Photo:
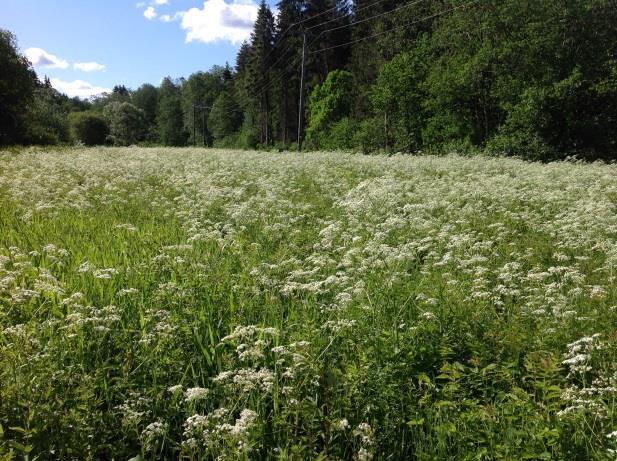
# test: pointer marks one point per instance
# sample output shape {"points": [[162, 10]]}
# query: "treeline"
{"points": [[514, 77]]}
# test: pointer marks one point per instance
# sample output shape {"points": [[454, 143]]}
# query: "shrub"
{"points": [[369, 135], [89, 128]]}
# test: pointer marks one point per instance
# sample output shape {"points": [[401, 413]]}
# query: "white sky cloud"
{"points": [[78, 88], [160, 2], [219, 21], [170, 18], [89, 66], [150, 13], [41, 58]]}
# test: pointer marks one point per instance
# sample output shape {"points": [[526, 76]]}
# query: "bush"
{"points": [[338, 135], [229, 142], [89, 128], [369, 135]]}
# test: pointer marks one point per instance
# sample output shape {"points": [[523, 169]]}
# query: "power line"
{"points": [[407, 5], [334, 8], [273, 80], [349, 13], [263, 78], [279, 39], [396, 28], [365, 19], [298, 23], [262, 91]]}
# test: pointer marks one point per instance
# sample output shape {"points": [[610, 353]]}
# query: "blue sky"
{"points": [[88, 46]]}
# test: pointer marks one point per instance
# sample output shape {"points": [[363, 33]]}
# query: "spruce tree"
{"points": [[288, 52], [259, 69]]}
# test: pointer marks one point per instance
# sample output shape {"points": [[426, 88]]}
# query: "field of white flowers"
{"points": [[218, 305]]}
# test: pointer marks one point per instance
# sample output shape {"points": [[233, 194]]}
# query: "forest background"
{"points": [[536, 80]]}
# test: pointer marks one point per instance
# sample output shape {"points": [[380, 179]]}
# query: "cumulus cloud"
{"points": [[170, 18], [78, 88], [89, 66], [41, 58], [160, 2], [219, 21], [150, 13]]}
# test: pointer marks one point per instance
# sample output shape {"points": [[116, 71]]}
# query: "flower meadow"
{"points": [[191, 304]]}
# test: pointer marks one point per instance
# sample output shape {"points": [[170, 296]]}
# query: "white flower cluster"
{"points": [[366, 435], [215, 432], [247, 379], [193, 394], [153, 434], [254, 342], [579, 353]]}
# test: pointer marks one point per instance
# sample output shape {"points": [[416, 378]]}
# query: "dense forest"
{"points": [[507, 77]]}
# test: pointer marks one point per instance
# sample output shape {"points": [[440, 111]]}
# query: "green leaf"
{"points": [[415, 422]]}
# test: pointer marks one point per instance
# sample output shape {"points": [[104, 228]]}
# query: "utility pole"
{"points": [[301, 111]]}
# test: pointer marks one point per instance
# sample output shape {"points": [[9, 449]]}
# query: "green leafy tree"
{"points": [[120, 93], [243, 92], [202, 89], [146, 97], [47, 121], [17, 86], [127, 123], [89, 127], [328, 104], [526, 78], [170, 117], [285, 56], [399, 96]]}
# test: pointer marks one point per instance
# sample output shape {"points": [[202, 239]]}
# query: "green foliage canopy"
{"points": [[17, 85], [328, 104], [127, 124], [89, 127]]}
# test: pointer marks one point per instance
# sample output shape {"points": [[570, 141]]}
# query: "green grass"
{"points": [[203, 304]]}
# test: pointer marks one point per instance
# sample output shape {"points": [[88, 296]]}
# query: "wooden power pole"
{"points": [[301, 109]]}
